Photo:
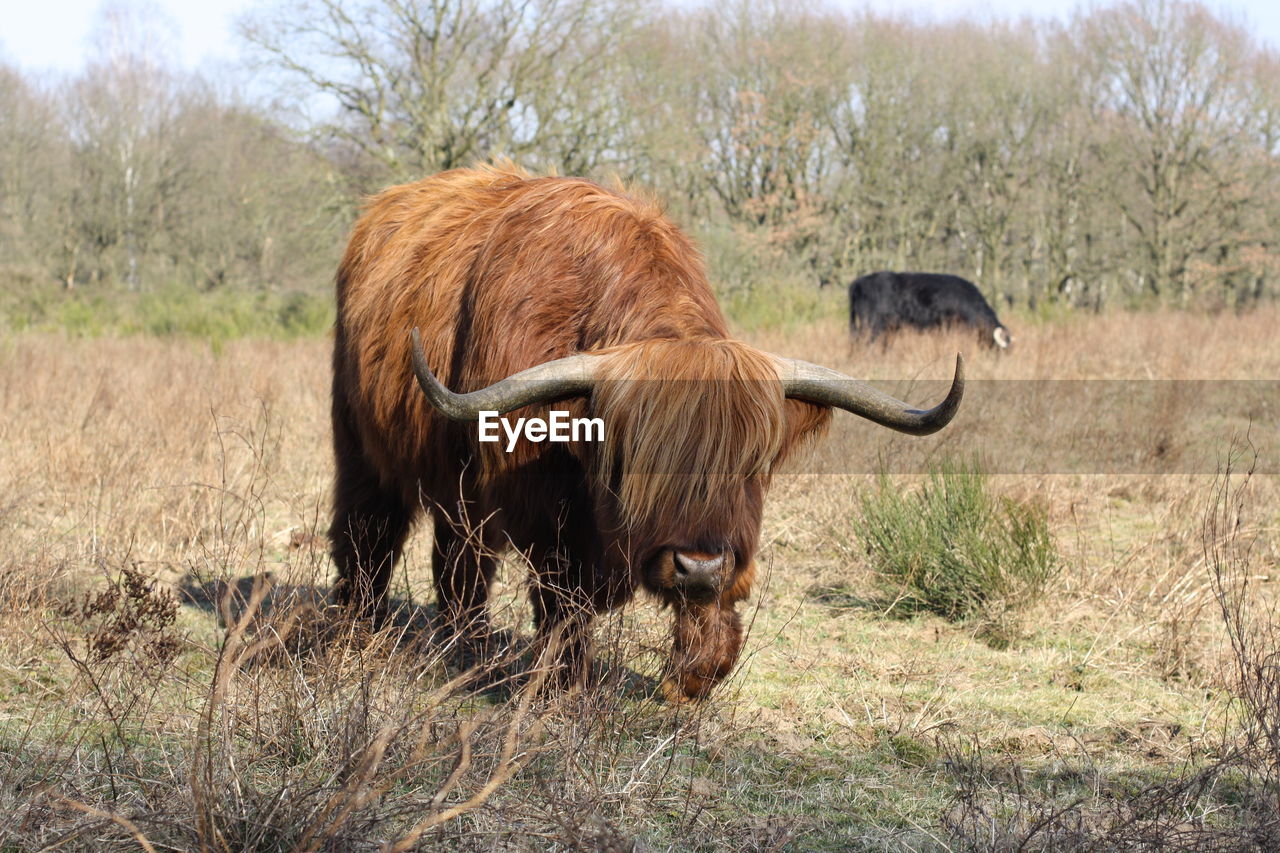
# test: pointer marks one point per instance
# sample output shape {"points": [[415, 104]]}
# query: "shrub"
{"points": [[956, 550], [170, 310]]}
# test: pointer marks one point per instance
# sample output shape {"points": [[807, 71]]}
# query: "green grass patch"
{"points": [[957, 550]]}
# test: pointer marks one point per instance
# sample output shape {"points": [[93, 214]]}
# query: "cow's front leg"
{"points": [[563, 646], [462, 567]]}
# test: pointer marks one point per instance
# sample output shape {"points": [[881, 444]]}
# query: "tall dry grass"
{"points": [[169, 678], [1117, 345], [175, 681]]}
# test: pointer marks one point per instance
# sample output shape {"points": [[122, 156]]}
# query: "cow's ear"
{"points": [[804, 422]]}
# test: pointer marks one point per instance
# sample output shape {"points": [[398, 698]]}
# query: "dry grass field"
{"points": [[169, 680]]}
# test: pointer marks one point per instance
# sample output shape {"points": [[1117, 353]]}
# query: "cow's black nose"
{"points": [[699, 575]]}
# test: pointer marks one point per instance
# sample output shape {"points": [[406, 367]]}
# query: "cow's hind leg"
{"points": [[369, 527]]}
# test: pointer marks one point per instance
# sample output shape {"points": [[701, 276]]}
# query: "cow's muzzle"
{"points": [[700, 576]]}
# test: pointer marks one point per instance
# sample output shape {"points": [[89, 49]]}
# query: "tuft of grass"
{"points": [[957, 550]]}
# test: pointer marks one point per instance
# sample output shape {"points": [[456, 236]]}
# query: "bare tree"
{"points": [[1168, 87], [34, 180], [767, 81], [121, 112], [996, 113], [899, 194], [423, 85], [257, 206]]}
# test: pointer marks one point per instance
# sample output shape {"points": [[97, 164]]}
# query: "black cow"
{"points": [[882, 302]]}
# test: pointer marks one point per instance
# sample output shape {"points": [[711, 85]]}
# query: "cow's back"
{"points": [[950, 298], [884, 301], [500, 272]]}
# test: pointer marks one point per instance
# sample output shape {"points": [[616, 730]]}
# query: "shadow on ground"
{"points": [[501, 667]]}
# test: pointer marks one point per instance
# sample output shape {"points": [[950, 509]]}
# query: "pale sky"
{"points": [[53, 35]]}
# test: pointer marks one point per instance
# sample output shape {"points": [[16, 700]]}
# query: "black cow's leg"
{"points": [[880, 330]]}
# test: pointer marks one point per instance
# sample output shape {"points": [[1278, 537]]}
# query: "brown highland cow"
{"points": [[599, 305]]}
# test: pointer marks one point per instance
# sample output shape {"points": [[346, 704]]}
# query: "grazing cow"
{"points": [[541, 293], [886, 301]]}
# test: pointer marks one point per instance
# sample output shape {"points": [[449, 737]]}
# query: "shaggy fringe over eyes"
{"points": [[686, 421]]}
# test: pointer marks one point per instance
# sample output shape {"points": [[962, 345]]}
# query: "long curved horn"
{"points": [[564, 377], [816, 384], [576, 374]]}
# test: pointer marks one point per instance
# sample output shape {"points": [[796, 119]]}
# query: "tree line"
{"points": [[1126, 156]]}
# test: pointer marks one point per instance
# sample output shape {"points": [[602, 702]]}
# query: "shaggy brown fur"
{"points": [[502, 271]]}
